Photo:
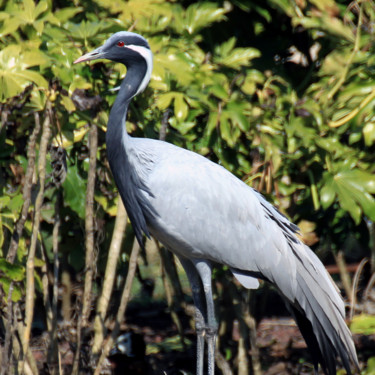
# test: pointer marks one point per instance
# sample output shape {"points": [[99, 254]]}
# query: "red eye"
{"points": [[121, 44]]}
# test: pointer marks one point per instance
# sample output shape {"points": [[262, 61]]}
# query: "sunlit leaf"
{"points": [[65, 14], [369, 133], [180, 107], [238, 57], [164, 100], [197, 16], [68, 103], [14, 72]]}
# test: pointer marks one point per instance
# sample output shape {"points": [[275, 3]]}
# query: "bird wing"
{"points": [[206, 212]]}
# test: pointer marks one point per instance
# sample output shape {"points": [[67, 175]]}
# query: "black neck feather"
{"points": [[119, 151]]}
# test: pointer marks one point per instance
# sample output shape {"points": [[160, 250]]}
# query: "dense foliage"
{"points": [[280, 92]]}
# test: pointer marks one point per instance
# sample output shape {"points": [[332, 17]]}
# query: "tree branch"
{"points": [[109, 277], [123, 304], [30, 282], [90, 243]]}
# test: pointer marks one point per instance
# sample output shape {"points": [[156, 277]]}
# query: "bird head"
{"points": [[124, 47], [127, 48]]}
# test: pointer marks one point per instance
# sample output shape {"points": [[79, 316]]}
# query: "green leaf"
{"points": [[369, 134], [198, 16], [330, 25], [353, 188], [68, 103], [38, 100], [370, 368], [14, 72], [220, 91], [9, 26], [16, 292], [66, 14], [361, 180], [327, 193], [75, 191], [16, 203], [232, 57], [13, 271], [348, 203], [363, 324], [79, 83], [164, 100], [180, 107]]}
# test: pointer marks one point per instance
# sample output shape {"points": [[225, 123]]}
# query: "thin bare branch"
{"points": [[30, 282], [109, 277], [52, 357], [344, 274], [173, 290], [6, 354], [255, 352], [90, 243], [123, 304], [357, 275], [222, 363], [90, 223]]}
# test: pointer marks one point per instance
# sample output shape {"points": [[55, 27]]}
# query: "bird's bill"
{"points": [[93, 55]]}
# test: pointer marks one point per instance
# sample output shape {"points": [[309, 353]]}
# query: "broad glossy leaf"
{"points": [[180, 69], [164, 100], [180, 107], [38, 100], [347, 202], [198, 16], [14, 72], [360, 180], [238, 57]]}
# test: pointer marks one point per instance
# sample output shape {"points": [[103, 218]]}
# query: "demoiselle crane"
{"points": [[205, 215]]}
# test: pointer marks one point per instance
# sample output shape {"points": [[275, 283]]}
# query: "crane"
{"points": [[205, 216]]}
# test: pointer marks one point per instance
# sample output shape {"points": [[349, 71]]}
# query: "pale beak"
{"points": [[93, 55]]}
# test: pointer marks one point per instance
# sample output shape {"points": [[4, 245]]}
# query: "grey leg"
{"points": [[204, 269], [200, 309]]}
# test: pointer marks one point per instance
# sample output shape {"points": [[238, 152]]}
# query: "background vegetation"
{"points": [[280, 92]]}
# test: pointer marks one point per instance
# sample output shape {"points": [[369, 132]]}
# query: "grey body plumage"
{"points": [[205, 215]]}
